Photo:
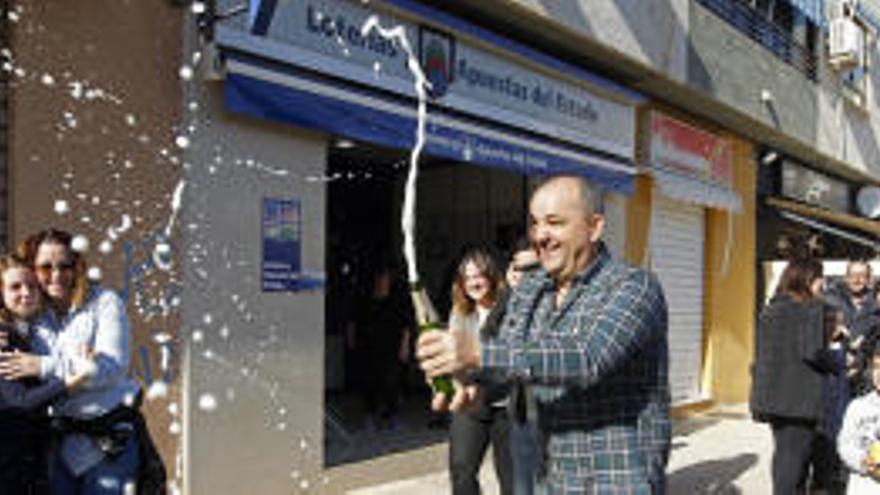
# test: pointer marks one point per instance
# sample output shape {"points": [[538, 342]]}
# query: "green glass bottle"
{"points": [[427, 319]]}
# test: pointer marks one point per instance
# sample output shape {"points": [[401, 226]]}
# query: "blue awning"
{"points": [[285, 94]]}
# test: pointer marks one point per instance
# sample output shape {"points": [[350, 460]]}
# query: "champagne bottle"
{"points": [[427, 319]]}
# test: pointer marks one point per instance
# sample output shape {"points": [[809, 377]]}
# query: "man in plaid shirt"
{"points": [[588, 336]]}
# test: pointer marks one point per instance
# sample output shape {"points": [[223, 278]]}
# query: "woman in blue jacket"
{"points": [[23, 426]]}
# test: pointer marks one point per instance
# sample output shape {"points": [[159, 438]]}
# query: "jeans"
{"points": [[524, 448], [109, 477], [469, 437]]}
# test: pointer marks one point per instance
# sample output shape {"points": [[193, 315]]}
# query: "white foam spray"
{"points": [[408, 216]]}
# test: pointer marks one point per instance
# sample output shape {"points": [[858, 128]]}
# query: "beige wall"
{"points": [[730, 294]]}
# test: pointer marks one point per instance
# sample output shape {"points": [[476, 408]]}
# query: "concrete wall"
{"points": [[255, 368], [678, 52], [653, 34]]}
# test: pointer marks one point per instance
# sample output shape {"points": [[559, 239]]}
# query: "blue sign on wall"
{"points": [[282, 246]]}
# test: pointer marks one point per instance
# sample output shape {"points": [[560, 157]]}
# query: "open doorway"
{"points": [[459, 205]]}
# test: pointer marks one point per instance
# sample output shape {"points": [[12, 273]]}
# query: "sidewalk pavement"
{"points": [[720, 452]]}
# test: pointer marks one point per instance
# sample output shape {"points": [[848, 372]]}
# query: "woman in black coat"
{"points": [[791, 362]]}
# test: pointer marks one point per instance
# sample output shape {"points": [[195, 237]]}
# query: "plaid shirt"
{"points": [[597, 367]]}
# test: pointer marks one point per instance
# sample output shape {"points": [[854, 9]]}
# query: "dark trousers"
{"points": [[829, 472], [469, 437], [526, 456], [793, 441], [381, 388]]}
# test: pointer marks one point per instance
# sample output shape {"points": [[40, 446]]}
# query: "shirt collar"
{"points": [[601, 256]]}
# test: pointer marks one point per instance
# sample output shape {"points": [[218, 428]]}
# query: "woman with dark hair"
{"points": [[477, 286], [98, 452], [790, 366], [23, 423]]}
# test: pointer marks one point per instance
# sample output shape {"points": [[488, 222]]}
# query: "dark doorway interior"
{"points": [[459, 205], [363, 198]]}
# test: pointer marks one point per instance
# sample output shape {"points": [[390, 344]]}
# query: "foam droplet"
{"points": [[182, 142], [80, 243], [174, 428], [207, 403], [61, 207], [186, 73], [94, 274], [157, 390], [162, 256]]}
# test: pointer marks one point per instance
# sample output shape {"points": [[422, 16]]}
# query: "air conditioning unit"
{"points": [[845, 43]]}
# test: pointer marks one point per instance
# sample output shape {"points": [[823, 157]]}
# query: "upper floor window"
{"points": [[780, 26]]}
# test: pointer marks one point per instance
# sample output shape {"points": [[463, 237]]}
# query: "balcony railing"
{"points": [[787, 34]]}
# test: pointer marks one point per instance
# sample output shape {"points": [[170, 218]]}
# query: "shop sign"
{"points": [[467, 75], [809, 186], [688, 151], [282, 243]]}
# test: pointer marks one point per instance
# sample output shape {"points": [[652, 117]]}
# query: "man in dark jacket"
{"points": [[855, 297]]}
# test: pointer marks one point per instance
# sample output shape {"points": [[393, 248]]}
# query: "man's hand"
{"points": [[447, 353], [16, 365], [465, 398]]}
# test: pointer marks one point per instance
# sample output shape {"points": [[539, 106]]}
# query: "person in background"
{"points": [[101, 429], [788, 372], [860, 356], [859, 440], [855, 297], [380, 335], [478, 284], [829, 473], [523, 430], [24, 428]]}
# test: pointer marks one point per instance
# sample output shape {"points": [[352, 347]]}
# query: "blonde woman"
{"points": [[477, 286]]}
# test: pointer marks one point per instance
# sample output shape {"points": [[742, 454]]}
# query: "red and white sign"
{"points": [[690, 151]]}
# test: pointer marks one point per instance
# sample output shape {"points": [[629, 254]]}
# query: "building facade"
{"points": [[269, 142]]}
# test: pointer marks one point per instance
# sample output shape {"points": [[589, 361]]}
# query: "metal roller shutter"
{"points": [[677, 256]]}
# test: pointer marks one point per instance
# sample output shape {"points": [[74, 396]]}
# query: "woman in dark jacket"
{"points": [[23, 427], [790, 365]]}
